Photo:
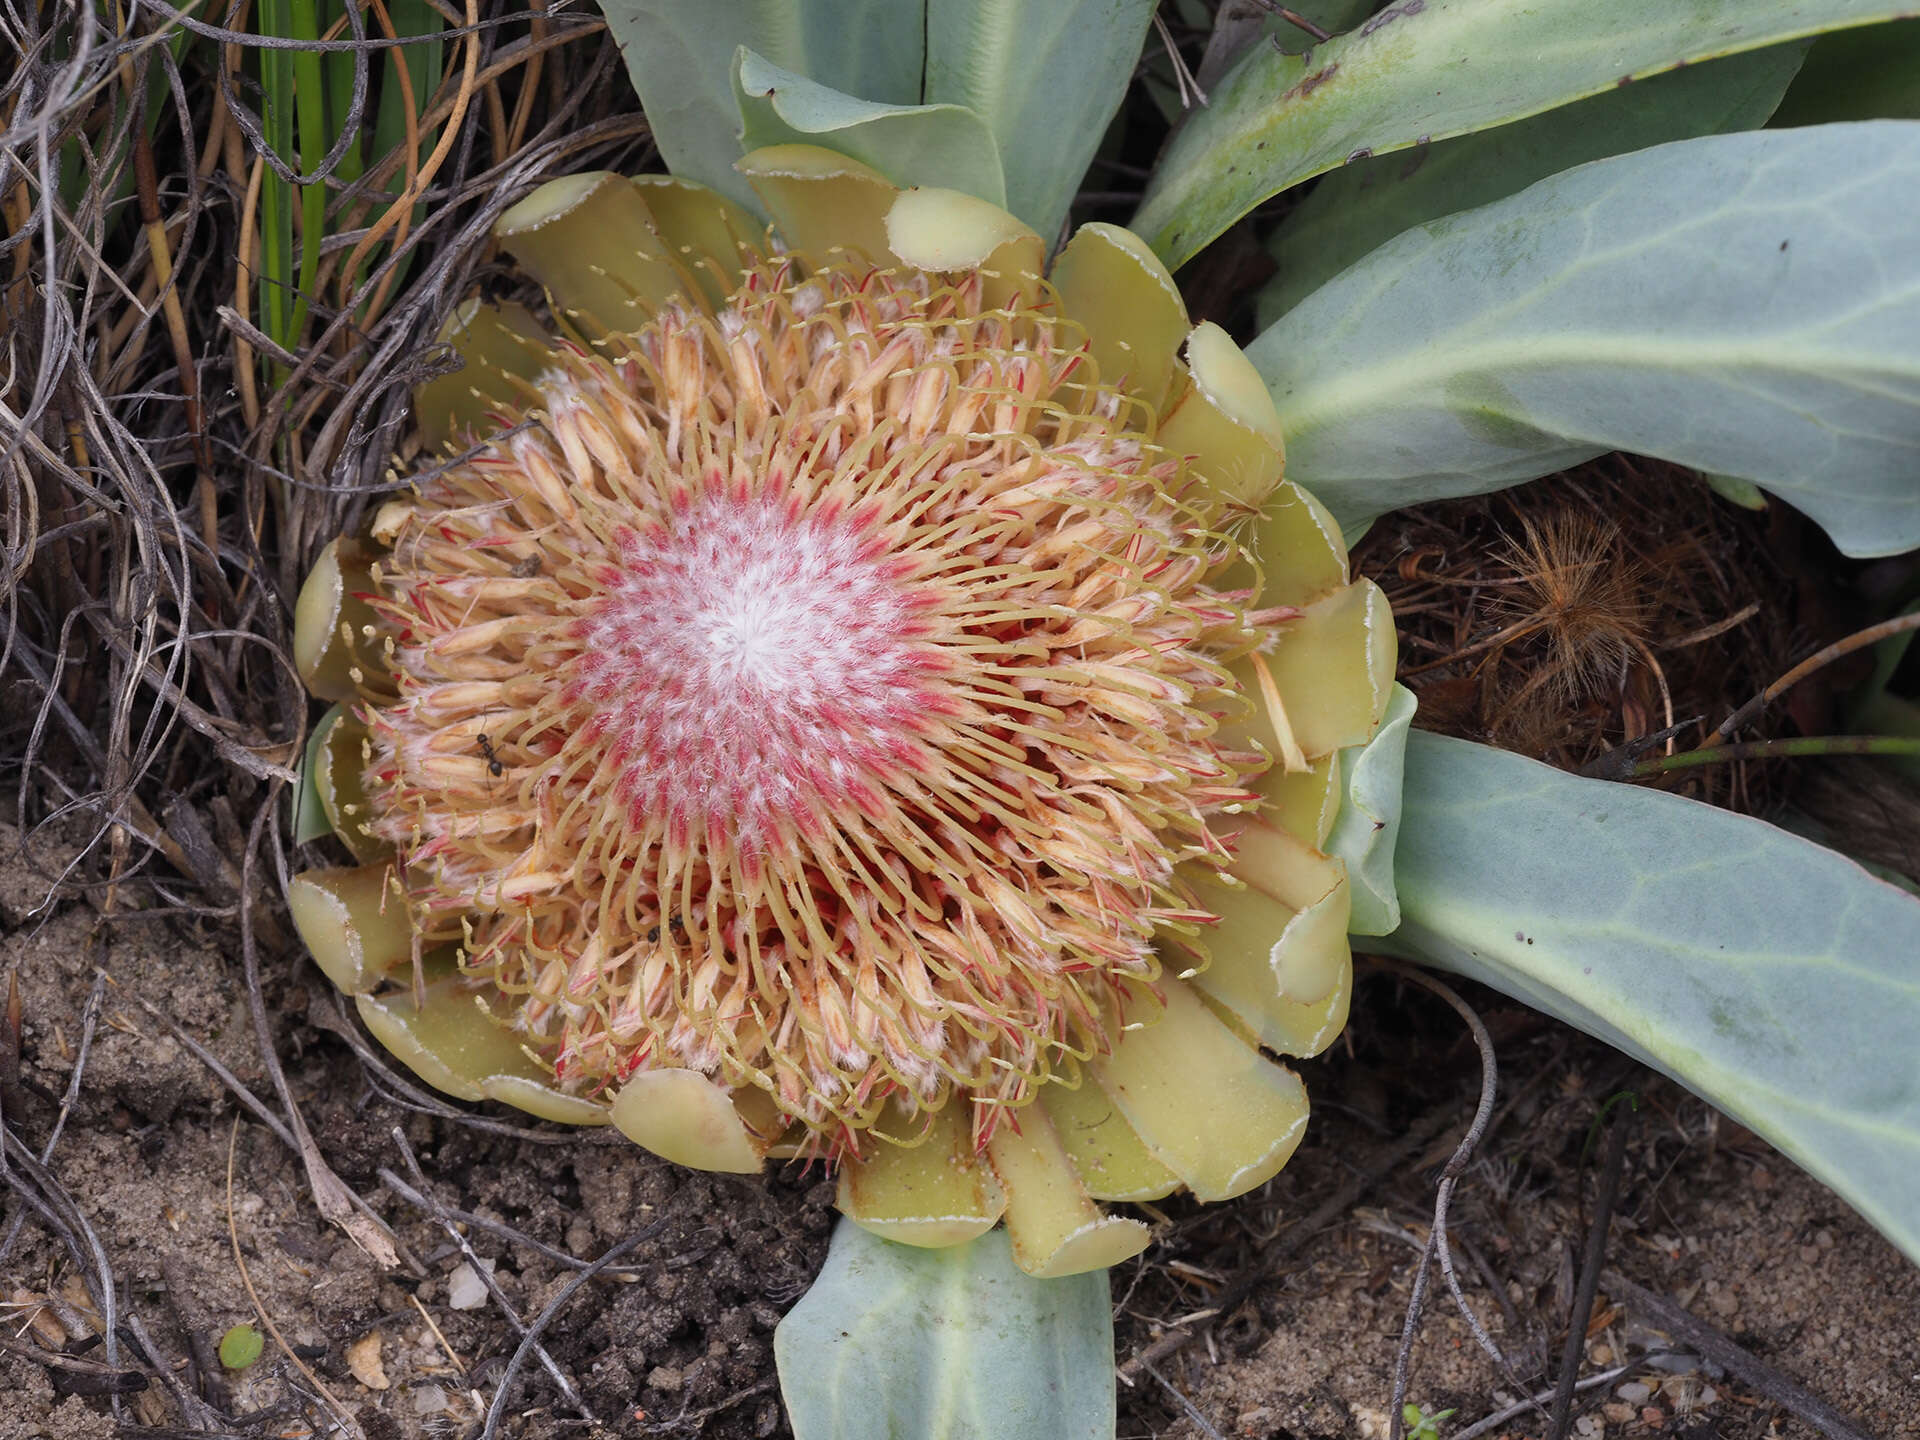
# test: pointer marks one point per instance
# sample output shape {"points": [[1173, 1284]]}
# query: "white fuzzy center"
{"points": [[755, 667]]}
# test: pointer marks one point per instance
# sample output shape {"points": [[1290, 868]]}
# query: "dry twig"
{"points": [[1443, 1195], [1738, 1361], [485, 1274], [1610, 1173]]}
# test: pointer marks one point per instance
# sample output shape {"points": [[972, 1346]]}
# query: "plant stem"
{"points": [[1768, 749], [1873, 634]]}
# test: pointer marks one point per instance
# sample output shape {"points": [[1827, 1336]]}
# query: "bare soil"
{"points": [[681, 1343]]}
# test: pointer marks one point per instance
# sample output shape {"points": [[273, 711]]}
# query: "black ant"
{"points": [[495, 766], [676, 924]]}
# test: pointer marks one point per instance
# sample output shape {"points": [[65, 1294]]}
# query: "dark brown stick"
{"points": [[1859, 640], [1741, 1363], [1596, 1255]]}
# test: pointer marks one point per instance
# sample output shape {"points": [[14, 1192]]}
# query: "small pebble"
{"points": [[1634, 1393], [365, 1364], [465, 1289], [1617, 1413], [1601, 1354], [664, 1377], [1653, 1417]]}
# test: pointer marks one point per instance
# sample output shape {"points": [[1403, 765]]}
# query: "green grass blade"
{"points": [[309, 88], [277, 102], [425, 65], [339, 68]]}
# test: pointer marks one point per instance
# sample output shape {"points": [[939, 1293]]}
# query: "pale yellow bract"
{"points": [[855, 697]]}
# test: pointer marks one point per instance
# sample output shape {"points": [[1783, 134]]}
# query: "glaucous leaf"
{"points": [[1820, 833], [308, 819], [1743, 304], [1046, 76], [1772, 977], [943, 145], [1368, 826], [1365, 204], [680, 58], [1425, 70], [897, 1340]]}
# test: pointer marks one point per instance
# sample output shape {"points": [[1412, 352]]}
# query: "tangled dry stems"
{"points": [[166, 469], [158, 499]]}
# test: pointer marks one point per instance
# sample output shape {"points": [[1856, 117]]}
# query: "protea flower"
{"points": [[854, 698]]}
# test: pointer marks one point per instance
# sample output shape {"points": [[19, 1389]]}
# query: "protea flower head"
{"points": [[850, 697]]}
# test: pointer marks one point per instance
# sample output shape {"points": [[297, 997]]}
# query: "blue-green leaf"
{"points": [[309, 817], [1773, 977], [1368, 825], [1363, 205], [954, 1344], [945, 145], [680, 57], [1046, 76], [1743, 304], [1424, 70]]}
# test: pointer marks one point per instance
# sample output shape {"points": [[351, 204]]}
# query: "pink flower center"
{"points": [[757, 666]]}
